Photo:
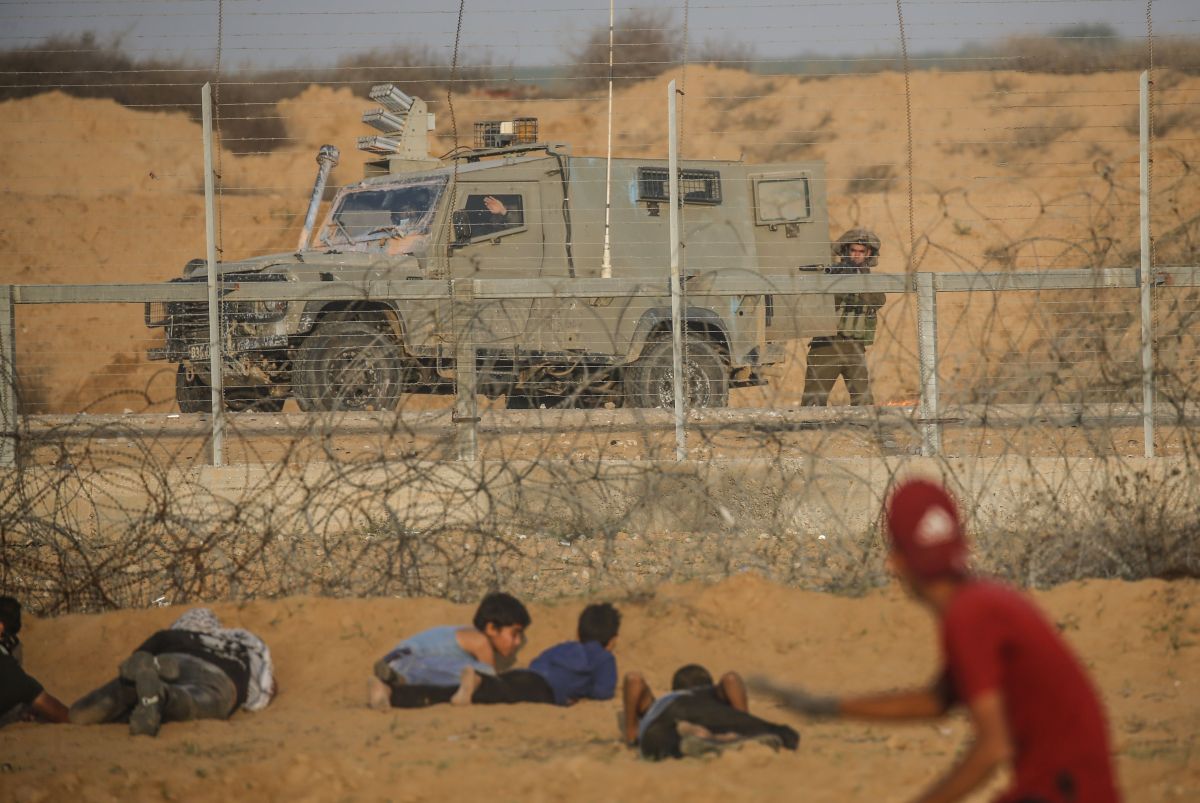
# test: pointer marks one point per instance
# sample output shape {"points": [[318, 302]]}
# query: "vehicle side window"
{"points": [[782, 199], [490, 215]]}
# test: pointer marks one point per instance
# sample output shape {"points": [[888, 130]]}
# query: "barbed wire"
{"points": [[108, 502]]}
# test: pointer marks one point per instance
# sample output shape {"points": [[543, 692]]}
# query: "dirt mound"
{"points": [[1010, 171], [317, 741]]}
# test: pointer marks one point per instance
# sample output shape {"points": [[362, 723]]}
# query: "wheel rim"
{"points": [[695, 387], [358, 377]]}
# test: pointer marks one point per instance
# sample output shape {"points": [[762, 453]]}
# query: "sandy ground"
{"points": [[317, 741], [1010, 171], [96, 441]]}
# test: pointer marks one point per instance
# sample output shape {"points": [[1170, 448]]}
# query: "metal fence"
{"points": [[1039, 338], [1108, 392]]}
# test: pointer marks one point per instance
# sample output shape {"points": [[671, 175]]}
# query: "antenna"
{"points": [[606, 264]]}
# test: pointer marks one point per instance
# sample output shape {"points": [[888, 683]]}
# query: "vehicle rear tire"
{"points": [[649, 381], [349, 365], [195, 396]]}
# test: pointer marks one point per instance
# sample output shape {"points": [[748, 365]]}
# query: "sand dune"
{"points": [[1009, 171]]}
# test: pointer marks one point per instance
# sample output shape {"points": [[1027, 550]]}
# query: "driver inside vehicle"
{"points": [[409, 229]]}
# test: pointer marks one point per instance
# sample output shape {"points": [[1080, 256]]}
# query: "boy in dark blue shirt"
{"points": [[561, 675], [583, 669]]}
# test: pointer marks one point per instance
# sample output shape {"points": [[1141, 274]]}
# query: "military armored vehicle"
{"points": [[515, 207]]}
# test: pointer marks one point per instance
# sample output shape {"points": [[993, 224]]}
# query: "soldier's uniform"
{"points": [[845, 353]]}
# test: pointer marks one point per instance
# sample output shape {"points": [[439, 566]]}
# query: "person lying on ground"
{"points": [[1031, 704], [22, 698], [561, 675], [196, 669], [437, 657], [696, 717]]}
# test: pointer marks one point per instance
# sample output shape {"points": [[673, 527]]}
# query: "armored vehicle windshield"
{"points": [[393, 218]]}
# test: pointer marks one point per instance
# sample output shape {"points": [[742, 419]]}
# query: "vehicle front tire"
{"points": [[649, 380], [192, 395], [349, 365]]}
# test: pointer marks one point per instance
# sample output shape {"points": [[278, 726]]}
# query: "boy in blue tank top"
{"points": [[438, 656], [561, 675]]}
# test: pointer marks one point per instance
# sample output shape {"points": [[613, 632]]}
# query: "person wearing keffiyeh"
{"points": [[196, 669]]}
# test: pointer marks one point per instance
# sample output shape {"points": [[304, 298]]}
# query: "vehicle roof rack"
{"points": [[475, 154]]}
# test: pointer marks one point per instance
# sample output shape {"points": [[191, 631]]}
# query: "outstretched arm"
{"points": [[912, 704], [990, 749], [48, 708], [908, 704]]}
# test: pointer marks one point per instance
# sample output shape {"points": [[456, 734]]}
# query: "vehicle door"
{"points": [[497, 234]]}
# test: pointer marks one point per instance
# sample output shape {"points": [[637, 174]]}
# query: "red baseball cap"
{"points": [[925, 530]]}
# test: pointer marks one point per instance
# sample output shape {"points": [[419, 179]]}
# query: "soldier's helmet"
{"points": [[866, 237]]}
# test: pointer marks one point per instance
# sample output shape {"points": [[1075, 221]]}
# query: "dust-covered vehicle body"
{"points": [[520, 211]]}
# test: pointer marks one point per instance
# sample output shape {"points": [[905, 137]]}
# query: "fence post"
{"points": [[8, 378], [1147, 275], [466, 411], [676, 288], [214, 307], [931, 430]]}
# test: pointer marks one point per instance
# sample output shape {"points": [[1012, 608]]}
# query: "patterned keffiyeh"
{"points": [[232, 642]]}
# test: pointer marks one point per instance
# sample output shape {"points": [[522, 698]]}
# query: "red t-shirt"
{"points": [[995, 639]]}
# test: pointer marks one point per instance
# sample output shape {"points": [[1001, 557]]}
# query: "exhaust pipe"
{"points": [[327, 159]]}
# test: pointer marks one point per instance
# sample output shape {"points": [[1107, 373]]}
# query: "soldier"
{"points": [[845, 353]]}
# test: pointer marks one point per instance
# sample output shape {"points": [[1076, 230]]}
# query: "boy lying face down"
{"points": [[696, 717], [195, 669]]}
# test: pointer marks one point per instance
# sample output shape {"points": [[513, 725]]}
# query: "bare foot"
{"points": [[379, 695], [467, 684]]}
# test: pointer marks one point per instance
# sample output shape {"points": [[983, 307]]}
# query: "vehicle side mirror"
{"points": [[461, 220]]}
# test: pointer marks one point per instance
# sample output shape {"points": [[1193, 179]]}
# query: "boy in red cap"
{"points": [[1030, 701]]}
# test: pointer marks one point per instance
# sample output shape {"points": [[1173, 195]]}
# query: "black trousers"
{"points": [[703, 707], [515, 686]]}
